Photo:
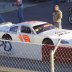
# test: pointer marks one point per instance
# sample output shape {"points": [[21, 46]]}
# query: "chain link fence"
{"points": [[62, 60], [25, 57]]}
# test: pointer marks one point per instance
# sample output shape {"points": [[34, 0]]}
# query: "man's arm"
{"points": [[60, 15]]}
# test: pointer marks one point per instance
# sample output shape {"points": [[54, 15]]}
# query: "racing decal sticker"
{"points": [[6, 48], [6, 45], [25, 38], [61, 33], [20, 37]]}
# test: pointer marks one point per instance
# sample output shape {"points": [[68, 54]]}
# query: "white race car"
{"points": [[35, 32]]}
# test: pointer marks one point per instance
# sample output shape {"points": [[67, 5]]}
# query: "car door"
{"points": [[26, 34]]}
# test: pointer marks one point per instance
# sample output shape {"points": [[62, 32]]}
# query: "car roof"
{"points": [[31, 23]]}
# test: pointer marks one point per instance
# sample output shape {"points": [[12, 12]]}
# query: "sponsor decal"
{"points": [[25, 38], [6, 45], [61, 33], [5, 48]]}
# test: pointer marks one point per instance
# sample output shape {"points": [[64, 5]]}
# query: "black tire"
{"points": [[6, 37], [47, 41], [8, 46], [70, 19]]}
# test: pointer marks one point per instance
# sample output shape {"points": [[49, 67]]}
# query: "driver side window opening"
{"points": [[25, 29]]}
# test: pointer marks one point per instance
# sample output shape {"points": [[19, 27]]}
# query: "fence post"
{"points": [[52, 60], [52, 56]]}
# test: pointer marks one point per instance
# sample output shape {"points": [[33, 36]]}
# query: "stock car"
{"points": [[37, 32]]}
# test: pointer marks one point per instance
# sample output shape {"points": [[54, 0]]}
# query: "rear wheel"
{"points": [[6, 37]]}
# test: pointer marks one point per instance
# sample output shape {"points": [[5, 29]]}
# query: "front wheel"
{"points": [[48, 42]]}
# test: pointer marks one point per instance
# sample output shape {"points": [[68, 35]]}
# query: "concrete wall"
{"points": [[22, 50]]}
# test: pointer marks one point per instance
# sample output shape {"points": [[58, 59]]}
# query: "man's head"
{"points": [[56, 8]]}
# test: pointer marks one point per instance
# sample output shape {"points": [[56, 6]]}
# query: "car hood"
{"points": [[58, 33]]}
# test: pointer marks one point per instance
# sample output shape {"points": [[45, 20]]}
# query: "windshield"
{"points": [[44, 27]]}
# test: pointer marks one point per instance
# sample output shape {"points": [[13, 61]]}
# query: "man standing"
{"points": [[57, 17], [20, 10]]}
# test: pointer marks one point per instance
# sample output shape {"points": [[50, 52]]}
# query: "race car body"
{"points": [[36, 32]]}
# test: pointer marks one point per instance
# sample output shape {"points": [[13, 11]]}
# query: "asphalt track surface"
{"points": [[43, 12]]}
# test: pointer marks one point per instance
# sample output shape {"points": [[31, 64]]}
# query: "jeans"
{"points": [[58, 25], [20, 14]]}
